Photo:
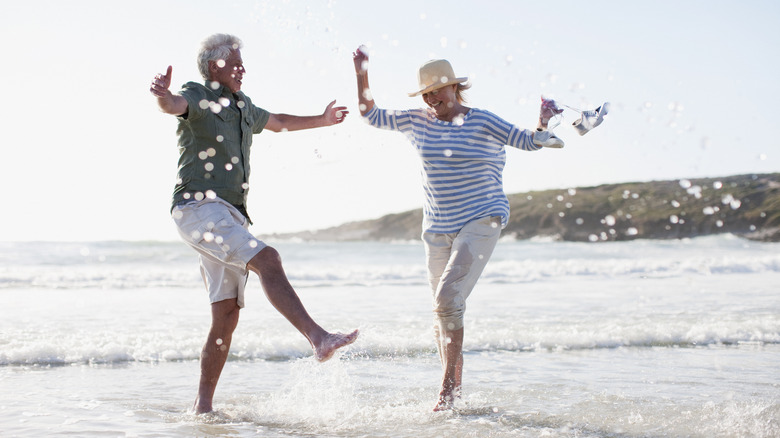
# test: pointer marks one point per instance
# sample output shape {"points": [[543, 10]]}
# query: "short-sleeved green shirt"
{"points": [[215, 137]]}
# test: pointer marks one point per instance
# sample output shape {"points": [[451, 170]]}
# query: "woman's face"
{"points": [[444, 102]]}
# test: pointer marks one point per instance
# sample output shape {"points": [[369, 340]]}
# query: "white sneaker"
{"points": [[547, 139], [591, 118]]}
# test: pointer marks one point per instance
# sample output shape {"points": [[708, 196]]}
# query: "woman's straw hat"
{"points": [[435, 74]]}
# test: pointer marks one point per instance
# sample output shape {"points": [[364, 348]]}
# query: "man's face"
{"points": [[228, 72]]}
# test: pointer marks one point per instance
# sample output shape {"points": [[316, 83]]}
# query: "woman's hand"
{"points": [[360, 57]]}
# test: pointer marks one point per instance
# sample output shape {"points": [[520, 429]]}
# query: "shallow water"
{"points": [[631, 339]]}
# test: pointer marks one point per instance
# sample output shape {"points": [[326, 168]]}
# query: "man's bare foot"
{"points": [[333, 342], [201, 408]]}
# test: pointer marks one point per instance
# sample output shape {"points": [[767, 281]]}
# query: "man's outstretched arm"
{"points": [[286, 122]]}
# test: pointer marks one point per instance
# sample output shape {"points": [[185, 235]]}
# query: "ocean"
{"points": [[677, 338]]}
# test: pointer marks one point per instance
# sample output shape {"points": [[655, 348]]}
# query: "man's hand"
{"points": [[335, 115], [169, 103], [161, 83]]}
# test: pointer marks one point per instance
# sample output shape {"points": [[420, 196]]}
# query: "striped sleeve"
{"points": [[392, 120], [509, 134]]}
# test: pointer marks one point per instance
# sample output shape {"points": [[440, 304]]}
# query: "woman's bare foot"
{"points": [[333, 342], [447, 398]]}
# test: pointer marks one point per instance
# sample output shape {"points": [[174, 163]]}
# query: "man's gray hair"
{"points": [[214, 48]]}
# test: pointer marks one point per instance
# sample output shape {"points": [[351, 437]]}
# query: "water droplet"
{"points": [[632, 231], [209, 167], [203, 104], [234, 160], [199, 196], [228, 167], [708, 211], [220, 138], [221, 63], [447, 153], [684, 183], [224, 101], [593, 238], [674, 219], [579, 221]]}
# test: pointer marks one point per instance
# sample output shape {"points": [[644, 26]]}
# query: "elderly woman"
{"points": [[463, 155]]}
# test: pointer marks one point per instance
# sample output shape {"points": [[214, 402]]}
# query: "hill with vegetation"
{"points": [[744, 205]]}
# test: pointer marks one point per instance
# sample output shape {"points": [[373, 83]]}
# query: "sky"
{"points": [[87, 155]]}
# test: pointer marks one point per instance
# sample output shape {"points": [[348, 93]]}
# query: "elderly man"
{"points": [[216, 125]]}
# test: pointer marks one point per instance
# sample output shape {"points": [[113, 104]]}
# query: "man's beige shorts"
{"points": [[219, 233]]}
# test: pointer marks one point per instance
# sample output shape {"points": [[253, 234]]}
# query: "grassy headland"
{"points": [[744, 205]]}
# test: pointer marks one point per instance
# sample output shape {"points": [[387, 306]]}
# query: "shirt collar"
{"points": [[223, 91]]}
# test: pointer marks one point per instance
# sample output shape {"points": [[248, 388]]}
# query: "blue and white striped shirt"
{"points": [[462, 162]]}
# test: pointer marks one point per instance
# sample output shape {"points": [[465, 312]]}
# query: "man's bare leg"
{"points": [[267, 264], [451, 351], [224, 319]]}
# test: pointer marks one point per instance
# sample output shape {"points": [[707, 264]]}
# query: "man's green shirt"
{"points": [[215, 137]]}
